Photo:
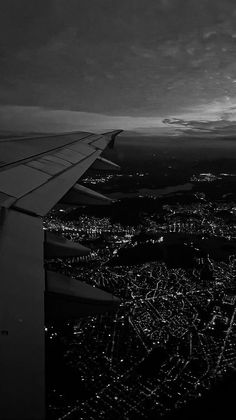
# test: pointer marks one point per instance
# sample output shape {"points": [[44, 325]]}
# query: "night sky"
{"points": [[150, 66]]}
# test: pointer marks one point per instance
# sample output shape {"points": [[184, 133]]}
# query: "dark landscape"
{"points": [[171, 260]]}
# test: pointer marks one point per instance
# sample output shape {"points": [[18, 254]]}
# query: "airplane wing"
{"points": [[36, 173]]}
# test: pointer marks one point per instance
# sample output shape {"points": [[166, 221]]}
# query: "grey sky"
{"points": [[154, 59]]}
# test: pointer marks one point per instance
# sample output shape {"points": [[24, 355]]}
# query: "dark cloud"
{"points": [[136, 57], [33, 22], [222, 128]]}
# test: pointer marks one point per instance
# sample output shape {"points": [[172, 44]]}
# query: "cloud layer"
{"points": [[153, 59]]}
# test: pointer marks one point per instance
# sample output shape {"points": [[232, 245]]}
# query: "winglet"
{"points": [[113, 135]]}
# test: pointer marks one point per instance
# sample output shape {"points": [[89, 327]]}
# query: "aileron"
{"points": [[20, 180]]}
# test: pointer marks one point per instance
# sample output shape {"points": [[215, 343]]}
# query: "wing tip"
{"points": [[113, 135]]}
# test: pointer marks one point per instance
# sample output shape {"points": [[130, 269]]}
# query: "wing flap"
{"points": [[56, 159], [69, 155], [44, 165], [20, 180], [82, 148]]}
